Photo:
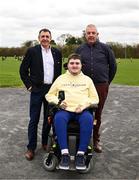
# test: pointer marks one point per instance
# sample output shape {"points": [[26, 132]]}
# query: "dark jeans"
{"points": [[102, 90], [36, 101]]}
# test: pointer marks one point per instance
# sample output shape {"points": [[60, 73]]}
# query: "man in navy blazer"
{"points": [[41, 65]]}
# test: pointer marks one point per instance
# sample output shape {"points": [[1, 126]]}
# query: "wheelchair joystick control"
{"points": [[61, 96], [53, 107]]}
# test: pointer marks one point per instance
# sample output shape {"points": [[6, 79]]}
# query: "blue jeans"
{"points": [[85, 120], [36, 101]]}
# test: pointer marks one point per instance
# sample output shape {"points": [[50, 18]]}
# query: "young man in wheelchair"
{"points": [[80, 94]]}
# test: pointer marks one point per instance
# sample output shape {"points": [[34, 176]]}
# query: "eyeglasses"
{"points": [[72, 63]]}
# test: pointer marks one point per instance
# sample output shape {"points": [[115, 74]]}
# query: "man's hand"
{"points": [[63, 105], [79, 109]]}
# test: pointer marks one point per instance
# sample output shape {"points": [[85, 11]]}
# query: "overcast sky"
{"points": [[21, 20]]}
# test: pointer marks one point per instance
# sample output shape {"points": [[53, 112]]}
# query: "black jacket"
{"points": [[31, 69], [98, 62]]}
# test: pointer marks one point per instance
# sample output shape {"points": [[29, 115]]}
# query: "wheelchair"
{"points": [[52, 158]]}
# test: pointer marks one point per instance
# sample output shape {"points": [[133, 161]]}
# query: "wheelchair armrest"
{"points": [[50, 105], [92, 108], [52, 109]]}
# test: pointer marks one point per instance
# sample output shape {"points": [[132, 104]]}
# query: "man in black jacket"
{"points": [[98, 63], [39, 68]]}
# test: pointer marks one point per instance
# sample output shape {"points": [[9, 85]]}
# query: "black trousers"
{"points": [[36, 101]]}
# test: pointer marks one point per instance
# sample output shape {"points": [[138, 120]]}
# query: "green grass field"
{"points": [[9, 73], [127, 72]]}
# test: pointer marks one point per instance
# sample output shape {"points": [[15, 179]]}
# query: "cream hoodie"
{"points": [[79, 91]]}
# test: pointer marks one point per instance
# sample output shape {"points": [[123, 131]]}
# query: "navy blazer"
{"points": [[31, 69]]}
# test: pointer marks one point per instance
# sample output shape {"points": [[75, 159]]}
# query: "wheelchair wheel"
{"points": [[52, 165]]}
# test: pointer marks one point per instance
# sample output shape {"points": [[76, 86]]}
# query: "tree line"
{"points": [[67, 44]]}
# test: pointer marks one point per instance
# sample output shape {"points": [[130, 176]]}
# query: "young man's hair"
{"points": [[44, 30], [74, 56]]}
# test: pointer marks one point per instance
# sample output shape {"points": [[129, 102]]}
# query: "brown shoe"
{"points": [[29, 155], [97, 147], [44, 147]]}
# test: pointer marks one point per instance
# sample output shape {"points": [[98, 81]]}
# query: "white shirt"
{"points": [[48, 65]]}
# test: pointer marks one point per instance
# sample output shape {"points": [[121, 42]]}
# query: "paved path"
{"points": [[120, 138]]}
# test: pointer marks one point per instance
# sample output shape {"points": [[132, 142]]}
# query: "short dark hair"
{"points": [[74, 56], [44, 30]]}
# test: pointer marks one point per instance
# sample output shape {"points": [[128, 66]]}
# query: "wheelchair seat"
{"points": [[73, 127]]}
